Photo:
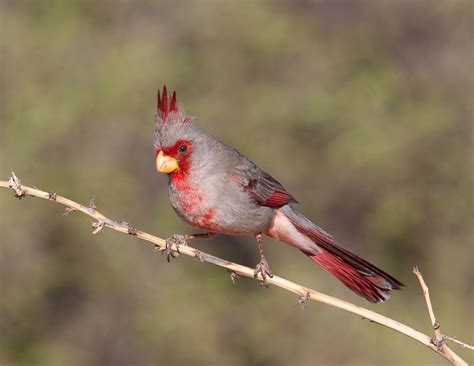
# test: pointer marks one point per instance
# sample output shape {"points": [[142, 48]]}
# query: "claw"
{"points": [[263, 269], [176, 240], [302, 299]]}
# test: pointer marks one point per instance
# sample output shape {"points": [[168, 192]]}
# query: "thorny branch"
{"points": [[439, 340], [436, 344]]}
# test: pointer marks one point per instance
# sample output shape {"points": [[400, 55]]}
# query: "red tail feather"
{"points": [[359, 275], [373, 287]]}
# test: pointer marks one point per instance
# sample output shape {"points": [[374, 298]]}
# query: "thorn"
{"points": [[91, 204], [455, 340], [132, 231], [303, 298], [98, 226], [416, 270], [52, 196], [157, 248], [198, 256], [68, 210], [233, 276], [436, 325], [15, 183]]}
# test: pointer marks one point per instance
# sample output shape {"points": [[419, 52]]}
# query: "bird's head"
{"points": [[175, 135]]}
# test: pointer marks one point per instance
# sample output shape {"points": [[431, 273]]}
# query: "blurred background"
{"points": [[374, 98]]}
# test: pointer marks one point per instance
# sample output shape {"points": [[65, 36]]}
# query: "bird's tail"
{"points": [[360, 276]]}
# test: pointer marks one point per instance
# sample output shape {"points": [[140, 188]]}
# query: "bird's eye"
{"points": [[182, 148]]}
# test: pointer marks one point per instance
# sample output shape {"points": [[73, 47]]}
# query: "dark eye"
{"points": [[182, 148]]}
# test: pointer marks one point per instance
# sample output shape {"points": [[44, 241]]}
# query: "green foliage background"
{"points": [[363, 109]]}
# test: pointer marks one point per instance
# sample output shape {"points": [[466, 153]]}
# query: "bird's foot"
{"points": [[175, 240], [263, 269], [303, 298]]}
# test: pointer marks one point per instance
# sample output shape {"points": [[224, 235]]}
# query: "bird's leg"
{"points": [[181, 240], [262, 268]]}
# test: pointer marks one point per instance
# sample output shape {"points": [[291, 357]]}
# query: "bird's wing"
{"points": [[265, 189]]}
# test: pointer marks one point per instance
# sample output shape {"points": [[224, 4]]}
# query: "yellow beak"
{"points": [[166, 164]]}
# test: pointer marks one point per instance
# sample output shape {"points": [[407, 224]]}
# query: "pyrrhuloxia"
{"points": [[216, 189]]}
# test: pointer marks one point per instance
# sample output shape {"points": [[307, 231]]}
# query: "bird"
{"points": [[217, 190]]}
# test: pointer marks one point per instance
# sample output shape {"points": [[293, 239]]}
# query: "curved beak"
{"points": [[166, 164]]}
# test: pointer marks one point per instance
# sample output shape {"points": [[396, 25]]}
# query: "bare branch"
{"points": [[462, 344], [439, 340], [237, 270]]}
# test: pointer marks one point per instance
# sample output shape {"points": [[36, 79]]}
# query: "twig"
{"points": [[462, 344], [439, 340], [303, 292]]}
